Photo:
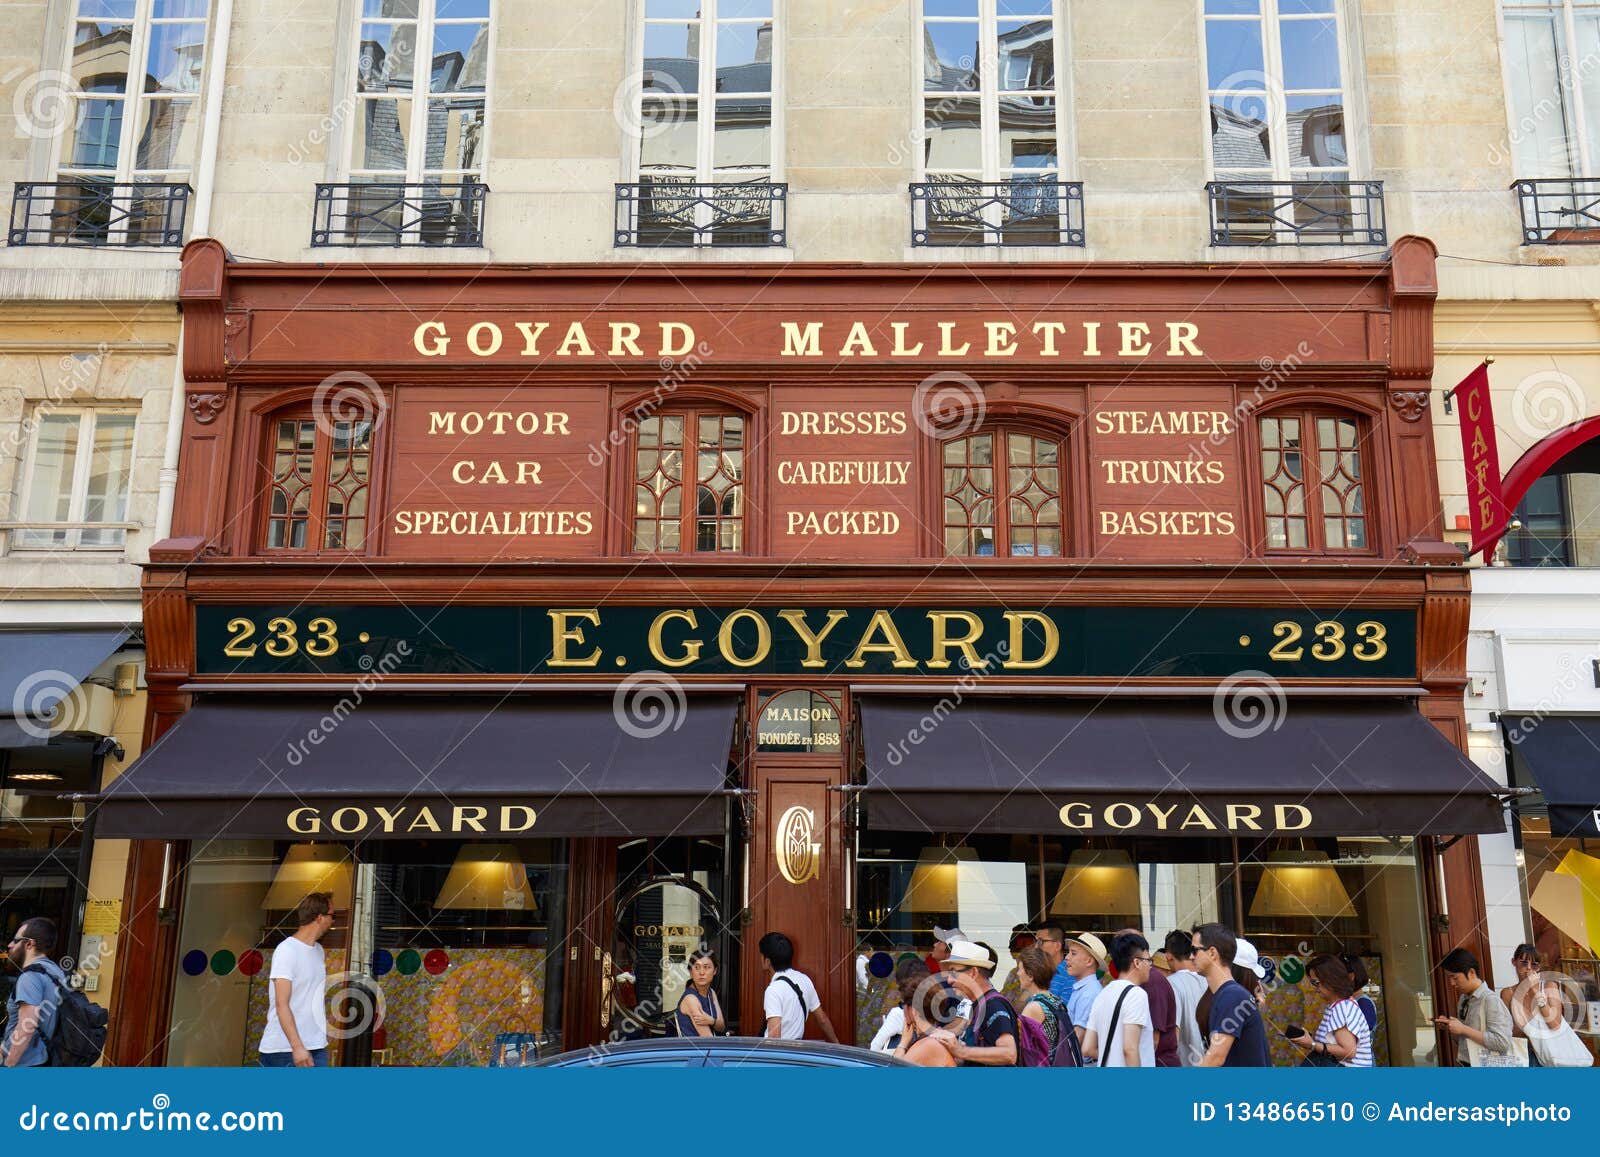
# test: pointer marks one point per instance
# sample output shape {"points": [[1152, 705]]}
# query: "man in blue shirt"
{"points": [[1086, 956], [1237, 1036], [31, 1009], [1052, 940]]}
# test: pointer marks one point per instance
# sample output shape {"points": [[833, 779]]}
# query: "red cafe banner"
{"points": [[1485, 501]]}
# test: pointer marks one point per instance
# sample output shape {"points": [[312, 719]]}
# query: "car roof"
{"points": [[721, 1052]]}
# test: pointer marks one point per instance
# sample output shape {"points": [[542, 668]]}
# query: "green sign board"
{"points": [[1101, 642]]}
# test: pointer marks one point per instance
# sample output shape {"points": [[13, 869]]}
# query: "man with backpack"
{"points": [[31, 1010], [791, 999], [990, 1036]]}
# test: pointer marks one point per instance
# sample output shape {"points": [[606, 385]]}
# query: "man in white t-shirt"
{"points": [[297, 1021], [1130, 1043], [1188, 986], [790, 998]]}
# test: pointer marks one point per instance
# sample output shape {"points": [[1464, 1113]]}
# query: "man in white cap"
{"points": [[990, 1036], [941, 946], [1237, 1036]]}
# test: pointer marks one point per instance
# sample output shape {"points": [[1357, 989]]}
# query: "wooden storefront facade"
{"points": [[861, 544]]}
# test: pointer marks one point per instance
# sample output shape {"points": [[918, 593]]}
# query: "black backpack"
{"points": [[78, 1036]]}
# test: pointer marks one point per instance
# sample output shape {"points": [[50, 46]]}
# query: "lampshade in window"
{"points": [[487, 877], [1098, 883], [934, 880], [311, 868], [1301, 884]]}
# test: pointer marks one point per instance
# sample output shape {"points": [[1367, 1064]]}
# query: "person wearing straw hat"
{"points": [[1086, 958], [990, 1036]]}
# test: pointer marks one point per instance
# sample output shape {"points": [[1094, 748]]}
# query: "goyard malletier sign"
{"points": [[811, 642]]}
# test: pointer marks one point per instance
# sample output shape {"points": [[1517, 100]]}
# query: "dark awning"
{"points": [[1167, 768], [1562, 754], [38, 669], [289, 768]]}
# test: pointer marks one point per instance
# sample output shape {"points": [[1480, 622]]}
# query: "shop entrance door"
{"points": [[797, 872], [640, 909]]}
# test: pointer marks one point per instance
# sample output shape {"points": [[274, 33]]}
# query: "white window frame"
{"points": [[132, 100], [705, 171], [1276, 95], [415, 172], [1580, 164], [988, 93], [82, 462]]}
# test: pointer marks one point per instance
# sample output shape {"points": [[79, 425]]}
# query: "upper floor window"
{"points": [[1313, 483], [136, 67], [1276, 81], [1002, 495], [1550, 47], [688, 483], [990, 100], [319, 485], [707, 98], [78, 471], [420, 121]]}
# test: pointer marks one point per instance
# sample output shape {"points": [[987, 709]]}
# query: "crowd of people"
{"points": [[1203, 1009]]}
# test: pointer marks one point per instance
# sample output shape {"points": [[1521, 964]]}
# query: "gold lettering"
{"points": [[900, 350], [763, 638], [563, 634], [1047, 331], [1243, 815], [685, 344], [1180, 340], [1052, 641], [576, 339], [461, 819], [893, 644], [1198, 818], [1281, 812], [530, 337], [1077, 815], [858, 342], [305, 821], [478, 347], [1161, 816], [424, 820], [625, 339], [807, 343], [1132, 814], [942, 642], [1002, 339], [691, 647], [946, 350], [506, 827], [436, 348], [1134, 334], [812, 640]]}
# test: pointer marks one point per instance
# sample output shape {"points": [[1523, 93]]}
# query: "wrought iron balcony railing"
{"points": [[395, 213], [1560, 210], [1024, 211], [669, 212], [93, 212], [1309, 212]]}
